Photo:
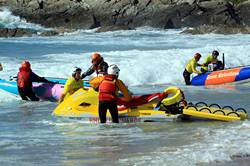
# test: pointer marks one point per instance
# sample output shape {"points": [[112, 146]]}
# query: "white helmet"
{"points": [[113, 70]]}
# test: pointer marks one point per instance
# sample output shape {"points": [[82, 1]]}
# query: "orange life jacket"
{"points": [[23, 78], [98, 69], [107, 89]]}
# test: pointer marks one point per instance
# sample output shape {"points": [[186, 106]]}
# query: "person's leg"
{"points": [[102, 111], [32, 95], [114, 112], [22, 94], [186, 76]]}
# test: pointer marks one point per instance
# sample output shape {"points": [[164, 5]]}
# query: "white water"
{"points": [[8, 20], [147, 58], [144, 56]]}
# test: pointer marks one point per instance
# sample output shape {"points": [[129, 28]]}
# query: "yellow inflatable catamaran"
{"points": [[83, 104]]}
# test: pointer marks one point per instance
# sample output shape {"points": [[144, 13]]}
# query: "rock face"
{"points": [[85, 14], [204, 29]]}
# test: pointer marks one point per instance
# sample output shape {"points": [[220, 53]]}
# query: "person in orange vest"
{"points": [[25, 77], [108, 91], [98, 65]]}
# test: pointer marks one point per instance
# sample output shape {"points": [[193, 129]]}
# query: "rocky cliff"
{"points": [[127, 14]]}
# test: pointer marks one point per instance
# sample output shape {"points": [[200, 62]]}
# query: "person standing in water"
{"points": [[108, 91], [25, 77], [191, 68]]}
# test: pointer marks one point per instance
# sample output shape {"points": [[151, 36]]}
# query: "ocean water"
{"points": [[150, 60]]}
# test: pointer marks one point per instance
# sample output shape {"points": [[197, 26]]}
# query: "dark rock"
{"points": [[17, 32], [21, 32], [221, 29], [113, 28], [48, 33], [85, 14]]}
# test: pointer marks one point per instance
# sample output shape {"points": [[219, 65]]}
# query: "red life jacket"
{"points": [[107, 89], [23, 78], [98, 69]]}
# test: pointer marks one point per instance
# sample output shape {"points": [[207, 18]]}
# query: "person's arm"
{"points": [[66, 90], [124, 90], [88, 72], [1, 67], [36, 78], [193, 66], [61, 97]]}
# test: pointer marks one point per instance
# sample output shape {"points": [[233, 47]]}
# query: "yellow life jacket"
{"points": [[71, 86], [209, 59], [191, 66]]}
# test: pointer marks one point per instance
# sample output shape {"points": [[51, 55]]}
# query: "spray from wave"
{"points": [[8, 20]]}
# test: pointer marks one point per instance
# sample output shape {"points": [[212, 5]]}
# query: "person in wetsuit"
{"points": [[25, 77], [191, 68], [98, 65], [108, 88]]}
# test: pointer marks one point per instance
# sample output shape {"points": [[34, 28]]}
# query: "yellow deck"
{"points": [[84, 103]]}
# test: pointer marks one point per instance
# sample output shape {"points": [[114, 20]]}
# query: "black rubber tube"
{"points": [[215, 105], [233, 113], [201, 104], [201, 110], [219, 111], [241, 110], [228, 107]]}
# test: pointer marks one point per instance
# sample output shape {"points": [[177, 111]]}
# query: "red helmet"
{"points": [[96, 57], [197, 56], [25, 65]]}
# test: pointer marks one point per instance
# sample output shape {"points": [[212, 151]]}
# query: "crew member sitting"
{"points": [[211, 63]]}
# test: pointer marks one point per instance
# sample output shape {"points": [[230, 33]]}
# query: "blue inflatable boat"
{"points": [[230, 75], [44, 91]]}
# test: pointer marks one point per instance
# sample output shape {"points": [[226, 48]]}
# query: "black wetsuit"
{"points": [[100, 68], [186, 76], [112, 107]]}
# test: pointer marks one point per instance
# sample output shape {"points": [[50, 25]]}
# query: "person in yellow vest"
{"points": [[210, 59], [191, 68], [1, 67], [72, 84]]}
